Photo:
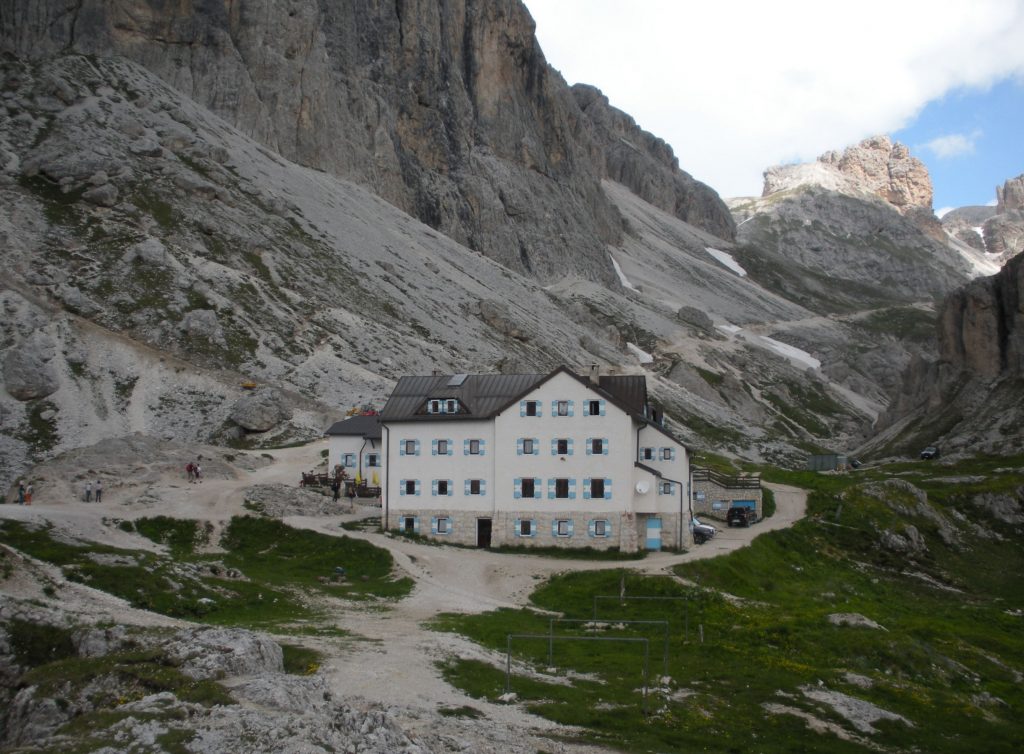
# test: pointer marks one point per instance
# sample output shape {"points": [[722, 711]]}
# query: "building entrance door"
{"points": [[653, 534], [483, 532]]}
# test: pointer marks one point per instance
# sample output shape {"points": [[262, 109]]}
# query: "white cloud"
{"points": [[952, 145], [735, 87]]}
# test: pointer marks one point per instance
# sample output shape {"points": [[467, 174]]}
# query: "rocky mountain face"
{"points": [[449, 111], [972, 395], [875, 167], [997, 231], [321, 199]]}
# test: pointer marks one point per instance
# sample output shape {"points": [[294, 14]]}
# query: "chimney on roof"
{"points": [[435, 373], [595, 374]]}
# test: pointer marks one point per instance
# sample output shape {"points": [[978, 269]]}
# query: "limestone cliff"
{"points": [[647, 166], [973, 394], [447, 110]]}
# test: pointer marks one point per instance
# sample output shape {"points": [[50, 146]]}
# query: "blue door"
{"points": [[653, 541]]}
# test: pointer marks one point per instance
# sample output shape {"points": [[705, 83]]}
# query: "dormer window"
{"points": [[443, 406]]}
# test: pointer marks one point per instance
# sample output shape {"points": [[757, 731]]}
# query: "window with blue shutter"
{"points": [[646, 454], [475, 486], [561, 527], [667, 454], [410, 524], [440, 525], [525, 527], [667, 488], [529, 408], [593, 489], [536, 489], [593, 407], [599, 527], [474, 448], [409, 487], [349, 460]]}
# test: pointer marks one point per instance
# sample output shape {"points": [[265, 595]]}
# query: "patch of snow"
{"points": [[790, 352], [622, 276], [731, 329], [642, 356], [725, 258]]}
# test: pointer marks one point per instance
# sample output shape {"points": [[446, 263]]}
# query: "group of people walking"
{"points": [[24, 493], [93, 492], [194, 472]]}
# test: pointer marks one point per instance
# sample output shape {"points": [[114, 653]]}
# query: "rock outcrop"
{"points": [[875, 166], [973, 392], [260, 411]]}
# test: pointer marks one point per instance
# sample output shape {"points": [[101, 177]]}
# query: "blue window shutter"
{"points": [[570, 527], [586, 488], [516, 529], [417, 490], [554, 527], [401, 447], [416, 522], [451, 487], [554, 408], [569, 446], [554, 446], [591, 529], [433, 525], [433, 487], [607, 489], [483, 487], [586, 408], [483, 447], [519, 446], [417, 448], [590, 443], [551, 489], [522, 408], [572, 489], [518, 489], [465, 487], [572, 407], [536, 488], [465, 447], [451, 446], [433, 447], [536, 446], [602, 407], [604, 446], [533, 528], [401, 488], [608, 528]]}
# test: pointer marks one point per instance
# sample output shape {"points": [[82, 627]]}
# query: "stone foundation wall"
{"points": [[706, 494], [628, 531]]}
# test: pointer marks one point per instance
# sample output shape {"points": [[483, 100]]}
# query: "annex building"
{"points": [[533, 459]]}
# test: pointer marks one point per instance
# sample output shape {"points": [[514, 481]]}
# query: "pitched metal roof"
{"points": [[630, 390], [480, 396], [360, 426]]}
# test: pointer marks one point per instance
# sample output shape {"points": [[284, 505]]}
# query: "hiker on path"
{"points": [[190, 470], [21, 492], [88, 492], [198, 472], [336, 489], [28, 494], [99, 491]]}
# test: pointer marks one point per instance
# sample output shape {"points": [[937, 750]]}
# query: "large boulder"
{"points": [[260, 411], [28, 369], [213, 653]]}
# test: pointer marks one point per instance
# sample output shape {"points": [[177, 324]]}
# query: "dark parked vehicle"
{"points": [[741, 516], [930, 453], [702, 532]]}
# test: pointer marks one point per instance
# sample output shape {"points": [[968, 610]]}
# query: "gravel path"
{"points": [[392, 659]]}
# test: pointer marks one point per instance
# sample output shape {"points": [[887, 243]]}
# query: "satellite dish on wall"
{"points": [[642, 487]]}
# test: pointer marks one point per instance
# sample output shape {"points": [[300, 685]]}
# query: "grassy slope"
{"points": [[948, 661]]}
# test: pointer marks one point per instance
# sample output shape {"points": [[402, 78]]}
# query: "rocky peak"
{"points": [[876, 166], [1010, 196]]}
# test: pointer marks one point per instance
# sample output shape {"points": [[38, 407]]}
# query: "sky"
{"points": [[736, 86]]}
